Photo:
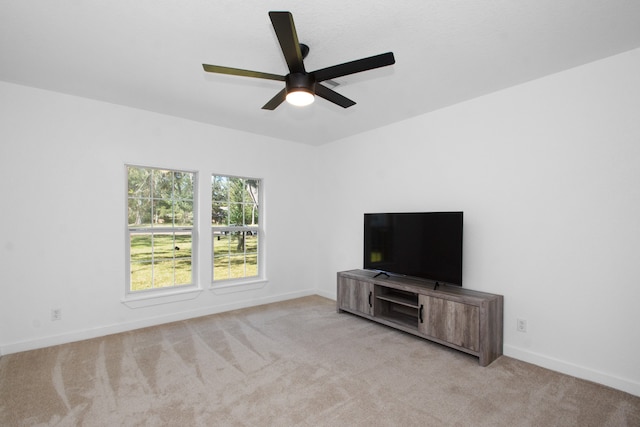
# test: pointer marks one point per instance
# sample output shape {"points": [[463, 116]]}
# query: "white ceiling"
{"points": [[148, 53]]}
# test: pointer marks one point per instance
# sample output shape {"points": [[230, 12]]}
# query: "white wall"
{"points": [[62, 222], [548, 176]]}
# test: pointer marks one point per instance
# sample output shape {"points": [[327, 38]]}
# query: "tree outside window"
{"points": [[235, 212], [161, 216]]}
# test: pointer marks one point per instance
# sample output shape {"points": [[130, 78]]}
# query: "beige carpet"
{"points": [[295, 363]]}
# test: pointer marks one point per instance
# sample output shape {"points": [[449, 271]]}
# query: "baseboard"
{"points": [[144, 323], [572, 369], [328, 295]]}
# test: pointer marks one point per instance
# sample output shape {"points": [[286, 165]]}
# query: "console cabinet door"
{"points": [[355, 295], [451, 321]]}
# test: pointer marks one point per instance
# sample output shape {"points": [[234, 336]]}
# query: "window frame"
{"points": [[257, 230], [157, 293]]}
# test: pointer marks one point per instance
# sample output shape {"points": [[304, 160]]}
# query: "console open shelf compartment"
{"points": [[397, 296], [397, 305]]}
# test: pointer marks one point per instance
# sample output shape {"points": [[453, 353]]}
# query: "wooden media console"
{"points": [[459, 318]]}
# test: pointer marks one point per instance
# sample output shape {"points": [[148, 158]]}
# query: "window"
{"points": [[160, 221], [235, 213]]}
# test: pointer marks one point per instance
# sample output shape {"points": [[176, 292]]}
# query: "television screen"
{"points": [[427, 245]]}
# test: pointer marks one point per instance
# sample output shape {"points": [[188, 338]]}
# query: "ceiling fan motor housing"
{"points": [[300, 81]]}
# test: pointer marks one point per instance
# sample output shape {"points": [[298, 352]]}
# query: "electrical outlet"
{"points": [[521, 325], [56, 314]]}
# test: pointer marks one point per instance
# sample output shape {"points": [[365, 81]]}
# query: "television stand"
{"points": [[469, 321]]}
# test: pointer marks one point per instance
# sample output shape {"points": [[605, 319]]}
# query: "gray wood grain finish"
{"points": [[355, 295], [454, 322]]}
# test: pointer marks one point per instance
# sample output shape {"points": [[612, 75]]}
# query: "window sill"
{"points": [[238, 286], [151, 299]]}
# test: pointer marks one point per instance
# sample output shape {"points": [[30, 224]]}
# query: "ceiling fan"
{"points": [[300, 85]]}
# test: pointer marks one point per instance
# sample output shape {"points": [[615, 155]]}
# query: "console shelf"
{"points": [[394, 296], [463, 319]]}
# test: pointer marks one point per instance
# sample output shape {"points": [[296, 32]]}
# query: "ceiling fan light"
{"points": [[300, 98]]}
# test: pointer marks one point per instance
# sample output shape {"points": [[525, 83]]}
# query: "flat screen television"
{"points": [[426, 245]]}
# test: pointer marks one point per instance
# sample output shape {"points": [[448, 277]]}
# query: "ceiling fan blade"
{"points": [[356, 66], [276, 100], [288, 38], [333, 96], [240, 72]]}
